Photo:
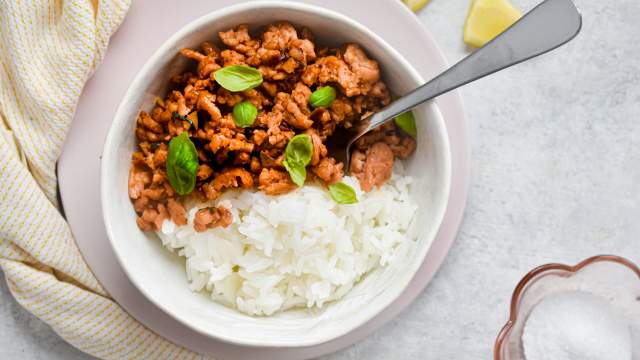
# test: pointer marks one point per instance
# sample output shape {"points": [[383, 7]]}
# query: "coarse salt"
{"points": [[575, 325]]}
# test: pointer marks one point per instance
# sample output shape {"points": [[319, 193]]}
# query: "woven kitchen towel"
{"points": [[48, 49]]}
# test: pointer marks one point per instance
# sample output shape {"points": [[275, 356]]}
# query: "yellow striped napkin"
{"points": [[48, 49]]}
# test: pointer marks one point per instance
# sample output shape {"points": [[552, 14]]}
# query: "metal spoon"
{"points": [[551, 24]]}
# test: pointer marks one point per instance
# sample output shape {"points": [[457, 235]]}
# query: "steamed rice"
{"points": [[295, 250]]}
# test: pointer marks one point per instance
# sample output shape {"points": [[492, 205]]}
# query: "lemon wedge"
{"points": [[416, 5], [487, 19]]}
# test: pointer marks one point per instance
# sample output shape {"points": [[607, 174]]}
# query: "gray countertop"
{"points": [[555, 178]]}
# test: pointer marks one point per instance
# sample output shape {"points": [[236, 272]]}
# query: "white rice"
{"points": [[295, 250]]}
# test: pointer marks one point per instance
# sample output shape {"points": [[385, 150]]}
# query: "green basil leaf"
{"points": [[297, 172], [182, 164], [407, 123], [297, 155], [322, 97], [238, 77], [342, 193], [299, 150], [244, 114]]}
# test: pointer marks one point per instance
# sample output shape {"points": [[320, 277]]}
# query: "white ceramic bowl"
{"points": [[160, 276]]}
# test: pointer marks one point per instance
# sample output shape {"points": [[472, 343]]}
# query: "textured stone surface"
{"points": [[556, 178]]}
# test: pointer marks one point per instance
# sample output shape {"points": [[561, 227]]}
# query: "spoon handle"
{"points": [[551, 24]]}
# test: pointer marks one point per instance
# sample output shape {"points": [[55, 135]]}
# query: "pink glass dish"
{"points": [[610, 277]]}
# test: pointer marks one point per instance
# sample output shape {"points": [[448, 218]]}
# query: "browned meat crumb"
{"points": [[177, 212], [207, 61], [226, 97], [275, 182], [328, 170], [239, 40], [255, 165], [319, 149], [404, 148], [377, 167], [144, 225], [211, 217], [137, 182], [342, 110], [356, 166], [204, 172], [300, 95], [270, 88], [206, 102], [332, 69], [365, 69], [232, 178], [231, 57], [293, 113]]}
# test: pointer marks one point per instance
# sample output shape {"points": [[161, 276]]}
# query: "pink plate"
{"points": [[149, 24]]}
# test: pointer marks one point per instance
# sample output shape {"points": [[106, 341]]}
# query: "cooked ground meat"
{"points": [[211, 217], [375, 167], [275, 182], [292, 67]]}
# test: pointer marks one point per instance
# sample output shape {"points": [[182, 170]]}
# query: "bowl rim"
{"points": [[520, 290], [152, 61]]}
